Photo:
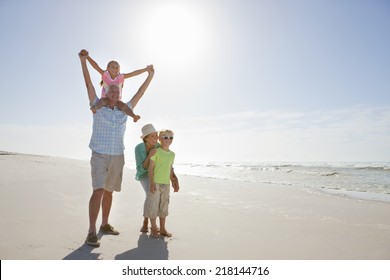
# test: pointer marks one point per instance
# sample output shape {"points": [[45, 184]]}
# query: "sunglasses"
{"points": [[168, 137]]}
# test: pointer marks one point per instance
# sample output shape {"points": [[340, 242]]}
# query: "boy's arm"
{"points": [[83, 54], [174, 180], [135, 73], [95, 65], [144, 86], [152, 185]]}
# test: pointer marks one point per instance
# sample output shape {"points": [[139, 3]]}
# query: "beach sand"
{"points": [[44, 216]]}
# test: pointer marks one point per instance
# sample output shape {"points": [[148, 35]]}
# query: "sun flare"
{"points": [[175, 31]]}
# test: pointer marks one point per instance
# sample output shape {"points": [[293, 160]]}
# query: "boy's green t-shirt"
{"points": [[163, 162]]}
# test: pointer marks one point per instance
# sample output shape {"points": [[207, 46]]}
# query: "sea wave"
{"points": [[366, 178]]}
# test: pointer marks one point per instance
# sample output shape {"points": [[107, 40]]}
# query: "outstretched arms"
{"points": [[95, 65], [83, 54], [144, 86], [135, 73]]}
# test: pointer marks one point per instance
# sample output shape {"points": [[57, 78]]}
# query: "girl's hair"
{"points": [[108, 65]]}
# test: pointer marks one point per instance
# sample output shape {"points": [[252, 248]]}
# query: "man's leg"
{"points": [[94, 208], [106, 206]]}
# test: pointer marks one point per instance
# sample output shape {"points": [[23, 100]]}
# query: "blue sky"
{"points": [[236, 80]]}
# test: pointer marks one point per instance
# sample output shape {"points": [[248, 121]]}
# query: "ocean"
{"points": [[352, 179]]}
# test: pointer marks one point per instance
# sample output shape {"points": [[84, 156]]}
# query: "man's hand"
{"points": [[150, 69], [83, 53]]}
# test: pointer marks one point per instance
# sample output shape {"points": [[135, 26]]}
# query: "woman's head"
{"points": [[149, 134]]}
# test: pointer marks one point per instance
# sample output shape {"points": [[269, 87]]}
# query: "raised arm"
{"points": [[144, 86], [95, 65], [135, 73], [83, 54]]}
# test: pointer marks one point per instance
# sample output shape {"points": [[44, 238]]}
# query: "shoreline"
{"points": [[44, 208]]}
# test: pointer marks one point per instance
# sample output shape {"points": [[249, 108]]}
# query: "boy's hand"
{"points": [[175, 185], [152, 187]]}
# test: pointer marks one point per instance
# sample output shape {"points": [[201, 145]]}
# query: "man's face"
{"points": [[113, 93]]}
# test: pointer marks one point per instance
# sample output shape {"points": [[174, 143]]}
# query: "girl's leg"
{"points": [[126, 109]]}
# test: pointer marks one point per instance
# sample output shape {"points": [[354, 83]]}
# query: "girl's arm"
{"points": [[95, 65], [135, 73]]}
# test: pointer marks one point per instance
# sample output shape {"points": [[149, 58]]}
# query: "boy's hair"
{"points": [[165, 131]]}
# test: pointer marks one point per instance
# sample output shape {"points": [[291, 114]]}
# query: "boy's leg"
{"points": [[151, 211], [163, 210]]}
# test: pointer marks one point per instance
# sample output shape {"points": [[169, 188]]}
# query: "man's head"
{"points": [[113, 93]]}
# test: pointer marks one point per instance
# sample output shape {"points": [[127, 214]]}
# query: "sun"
{"points": [[175, 32]]}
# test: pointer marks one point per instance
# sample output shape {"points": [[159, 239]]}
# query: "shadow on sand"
{"points": [[84, 252], [148, 249]]}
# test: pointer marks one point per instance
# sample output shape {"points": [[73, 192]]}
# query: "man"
{"points": [[107, 161]]}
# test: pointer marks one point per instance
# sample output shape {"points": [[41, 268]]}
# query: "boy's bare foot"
{"points": [[165, 233], [136, 118], [144, 228], [154, 233]]}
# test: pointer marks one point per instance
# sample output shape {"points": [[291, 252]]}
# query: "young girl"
{"points": [[113, 76]]}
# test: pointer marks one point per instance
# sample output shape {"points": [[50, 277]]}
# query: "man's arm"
{"points": [[83, 54], [144, 86]]}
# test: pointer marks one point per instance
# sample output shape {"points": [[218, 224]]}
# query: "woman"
{"points": [[143, 152]]}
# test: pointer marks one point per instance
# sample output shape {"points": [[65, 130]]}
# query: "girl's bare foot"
{"points": [[136, 118]]}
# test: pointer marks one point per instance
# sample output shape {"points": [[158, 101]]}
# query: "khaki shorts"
{"points": [[156, 204], [107, 171]]}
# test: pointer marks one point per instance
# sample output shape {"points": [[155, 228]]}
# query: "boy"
{"points": [[160, 173]]}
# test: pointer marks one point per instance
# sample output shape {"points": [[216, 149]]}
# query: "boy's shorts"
{"points": [[107, 171], [157, 203]]}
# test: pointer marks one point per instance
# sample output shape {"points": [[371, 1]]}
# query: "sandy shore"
{"points": [[44, 216]]}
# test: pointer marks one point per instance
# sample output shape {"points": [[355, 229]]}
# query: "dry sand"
{"points": [[44, 216]]}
